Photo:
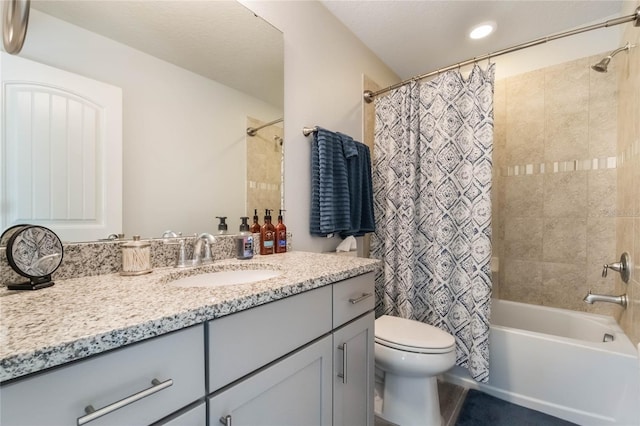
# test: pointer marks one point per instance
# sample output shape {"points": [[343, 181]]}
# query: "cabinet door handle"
{"points": [[226, 420], [343, 375], [361, 298], [93, 414]]}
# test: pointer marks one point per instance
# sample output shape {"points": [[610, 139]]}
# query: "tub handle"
{"points": [[624, 267], [608, 337]]}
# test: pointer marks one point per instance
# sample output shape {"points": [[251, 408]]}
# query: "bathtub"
{"points": [[555, 361]]}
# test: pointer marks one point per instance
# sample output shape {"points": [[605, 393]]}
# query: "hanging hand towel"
{"points": [[330, 208], [360, 188]]}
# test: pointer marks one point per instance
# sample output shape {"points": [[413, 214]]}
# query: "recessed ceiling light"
{"points": [[482, 30]]}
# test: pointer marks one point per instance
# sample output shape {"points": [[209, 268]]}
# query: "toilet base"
{"points": [[410, 401]]}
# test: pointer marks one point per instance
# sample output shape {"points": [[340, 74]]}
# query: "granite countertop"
{"points": [[80, 317]]}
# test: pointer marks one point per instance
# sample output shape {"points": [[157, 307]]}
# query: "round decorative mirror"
{"points": [[15, 19]]}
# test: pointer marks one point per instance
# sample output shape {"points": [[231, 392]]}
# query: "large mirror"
{"points": [[194, 75]]}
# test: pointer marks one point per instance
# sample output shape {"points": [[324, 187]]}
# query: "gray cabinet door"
{"points": [[353, 372], [294, 391]]}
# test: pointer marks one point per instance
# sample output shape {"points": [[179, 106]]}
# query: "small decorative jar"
{"points": [[136, 257]]}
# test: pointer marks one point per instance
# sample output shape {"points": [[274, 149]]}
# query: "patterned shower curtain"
{"points": [[432, 183]]}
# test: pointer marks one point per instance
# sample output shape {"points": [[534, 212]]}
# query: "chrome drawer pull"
{"points": [[226, 420], [343, 375], [93, 414], [361, 298]]}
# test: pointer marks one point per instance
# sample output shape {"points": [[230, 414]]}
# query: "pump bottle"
{"points": [[267, 235], [222, 226], [255, 227], [244, 241], [281, 235]]}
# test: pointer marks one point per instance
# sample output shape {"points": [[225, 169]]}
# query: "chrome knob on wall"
{"points": [[624, 267]]}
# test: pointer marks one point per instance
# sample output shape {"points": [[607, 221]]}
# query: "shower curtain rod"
{"points": [[251, 131], [370, 95]]}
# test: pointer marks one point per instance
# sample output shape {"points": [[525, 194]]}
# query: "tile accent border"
{"points": [[560, 166]]}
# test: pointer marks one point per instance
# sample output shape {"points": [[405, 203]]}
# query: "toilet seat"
{"points": [[412, 336]]}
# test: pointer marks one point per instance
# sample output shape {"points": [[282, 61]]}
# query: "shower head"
{"points": [[604, 63]]}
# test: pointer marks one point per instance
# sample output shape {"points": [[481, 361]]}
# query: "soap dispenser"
{"points": [[255, 228], [281, 235], [244, 241], [222, 226], [267, 235]]}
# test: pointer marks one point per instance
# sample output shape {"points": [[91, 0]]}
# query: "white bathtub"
{"points": [[555, 361]]}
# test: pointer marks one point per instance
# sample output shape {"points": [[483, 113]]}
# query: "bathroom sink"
{"points": [[220, 278]]}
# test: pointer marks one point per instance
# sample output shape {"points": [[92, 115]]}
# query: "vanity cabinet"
{"points": [[158, 376], [301, 360], [271, 365], [353, 346], [326, 382]]}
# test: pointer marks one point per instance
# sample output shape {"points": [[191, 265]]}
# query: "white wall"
{"points": [[324, 67], [183, 135]]}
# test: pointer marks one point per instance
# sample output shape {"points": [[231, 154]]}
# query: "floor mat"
{"points": [[480, 409]]}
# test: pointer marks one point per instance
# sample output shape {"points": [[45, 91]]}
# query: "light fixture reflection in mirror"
{"points": [[15, 20]]}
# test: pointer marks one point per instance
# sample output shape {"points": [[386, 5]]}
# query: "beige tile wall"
{"points": [[628, 179], [555, 185], [264, 169]]}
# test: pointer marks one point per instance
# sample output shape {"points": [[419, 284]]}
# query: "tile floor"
{"points": [[451, 399]]}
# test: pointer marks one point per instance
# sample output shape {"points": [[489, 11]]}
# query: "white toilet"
{"points": [[412, 354]]}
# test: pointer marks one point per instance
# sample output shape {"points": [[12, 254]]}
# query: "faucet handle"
{"points": [[182, 254], [207, 253], [624, 267], [181, 260]]}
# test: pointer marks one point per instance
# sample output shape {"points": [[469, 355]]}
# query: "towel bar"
{"points": [[308, 130]]}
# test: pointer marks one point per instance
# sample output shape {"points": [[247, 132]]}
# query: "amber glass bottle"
{"points": [[255, 227], [267, 235], [281, 235]]}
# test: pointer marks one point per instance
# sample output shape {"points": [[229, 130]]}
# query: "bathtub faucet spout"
{"points": [[592, 298]]}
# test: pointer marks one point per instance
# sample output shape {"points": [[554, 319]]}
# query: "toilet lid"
{"points": [[414, 336]]}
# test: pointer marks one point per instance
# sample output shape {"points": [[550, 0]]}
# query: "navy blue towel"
{"points": [[360, 188], [341, 191]]}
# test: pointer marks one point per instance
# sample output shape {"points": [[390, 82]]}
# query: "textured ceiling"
{"points": [[221, 40], [416, 37]]}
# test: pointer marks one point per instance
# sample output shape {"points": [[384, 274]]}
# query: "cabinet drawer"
{"points": [[59, 396], [243, 342], [352, 298]]}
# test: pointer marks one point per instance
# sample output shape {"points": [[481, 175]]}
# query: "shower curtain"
{"points": [[432, 183]]}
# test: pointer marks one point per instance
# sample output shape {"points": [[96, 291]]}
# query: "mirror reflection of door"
{"points": [[63, 150]]}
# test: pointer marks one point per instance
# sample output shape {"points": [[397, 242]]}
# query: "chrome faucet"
{"points": [[206, 239], [591, 298], [201, 240]]}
